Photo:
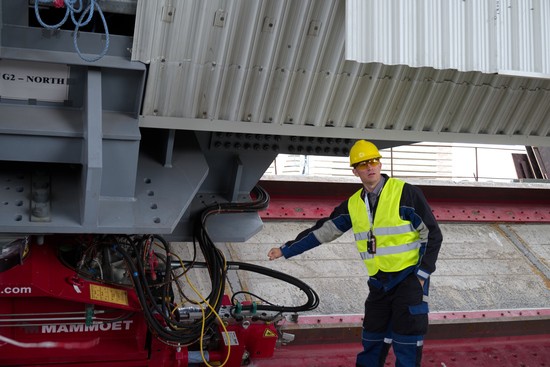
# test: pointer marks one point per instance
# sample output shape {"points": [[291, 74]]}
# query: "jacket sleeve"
{"points": [[415, 208], [325, 230]]}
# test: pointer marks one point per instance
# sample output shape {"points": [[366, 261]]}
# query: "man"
{"points": [[398, 239]]}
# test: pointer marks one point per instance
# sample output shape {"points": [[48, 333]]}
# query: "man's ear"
{"points": [[354, 172]]}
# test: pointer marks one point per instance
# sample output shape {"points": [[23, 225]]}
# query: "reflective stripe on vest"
{"points": [[385, 231], [392, 250], [397, 240]]}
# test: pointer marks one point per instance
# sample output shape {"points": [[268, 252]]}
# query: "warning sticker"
{"points": [[268, 333], [106, 294], [232, 338]]}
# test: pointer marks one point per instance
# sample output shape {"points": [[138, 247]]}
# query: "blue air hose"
{"points": [[72, 10]]}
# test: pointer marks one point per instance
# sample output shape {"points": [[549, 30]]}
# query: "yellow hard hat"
{"points": [[361, 151]]}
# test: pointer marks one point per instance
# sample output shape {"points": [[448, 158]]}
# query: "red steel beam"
{"points": [[443, 325], [474, 352], [504, 338], [313, 200]]}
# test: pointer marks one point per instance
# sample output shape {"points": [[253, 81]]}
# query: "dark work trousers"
{"points": [[398, 317]]}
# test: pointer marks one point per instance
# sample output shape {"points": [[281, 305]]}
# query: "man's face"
{"points": [[368, 172]]}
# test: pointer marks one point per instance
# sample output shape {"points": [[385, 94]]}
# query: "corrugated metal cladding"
{"points": [[491, 36], [279, 67]]}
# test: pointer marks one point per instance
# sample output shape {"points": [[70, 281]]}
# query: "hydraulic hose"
{"points": [[312, 296], [157, 309]]}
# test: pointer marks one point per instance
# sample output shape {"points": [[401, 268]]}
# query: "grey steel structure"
{"points": [[141, 146]]}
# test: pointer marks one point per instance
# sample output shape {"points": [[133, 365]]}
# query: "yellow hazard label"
{"points": [[268, 333], [107, 294]]}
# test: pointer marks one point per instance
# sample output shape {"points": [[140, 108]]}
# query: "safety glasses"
{"points": [[370, 163]]}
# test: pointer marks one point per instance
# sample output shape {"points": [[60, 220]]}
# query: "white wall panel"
{"points": [[491, 36]]}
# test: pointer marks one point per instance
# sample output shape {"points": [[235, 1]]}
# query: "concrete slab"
{"points": [[537, 239], [480, 267]]}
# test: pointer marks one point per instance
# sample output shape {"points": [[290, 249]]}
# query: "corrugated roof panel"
{"points": [[312, 60], [233, 82], [266, 28], [278, 67], [428, 94], [544, 126], [299, 93], [240, 53], [283, 55], [534, 114], [340, 104], [485, 35]]}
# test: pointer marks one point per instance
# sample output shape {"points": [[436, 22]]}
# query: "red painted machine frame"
{"points": [[43, 305], [41, 289]]}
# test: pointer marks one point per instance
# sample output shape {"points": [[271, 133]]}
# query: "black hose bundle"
{"points": [[163, 322], [214, 258], [159, 318], [312, 297]]}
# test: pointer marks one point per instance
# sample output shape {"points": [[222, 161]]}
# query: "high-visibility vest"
{"points": [[397, 242]]}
